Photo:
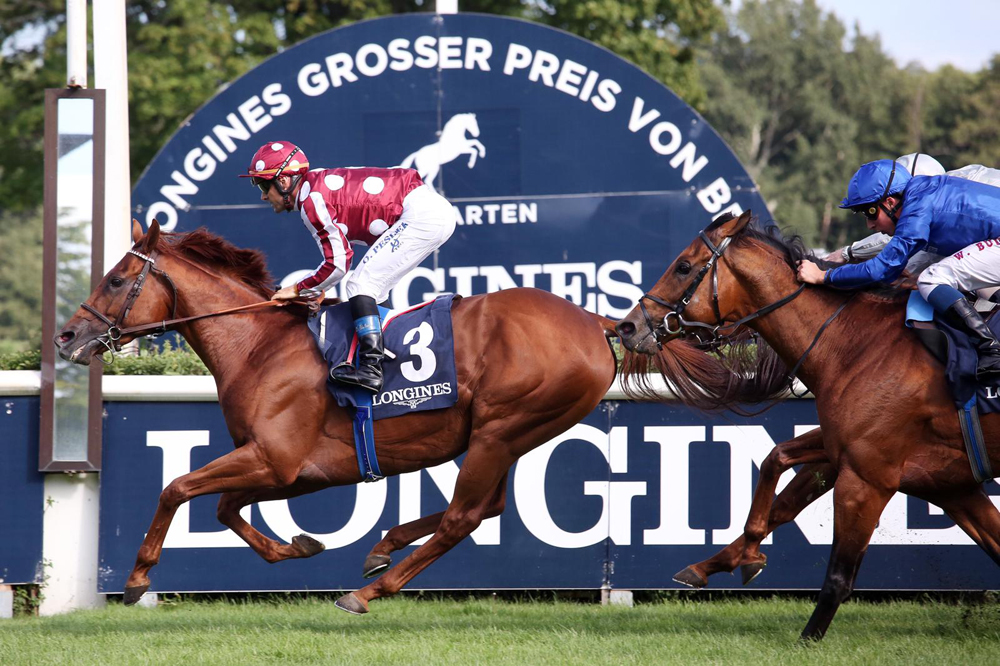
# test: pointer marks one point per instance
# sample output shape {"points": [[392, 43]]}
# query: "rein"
{"points": [[681, 325], [112, 339]]}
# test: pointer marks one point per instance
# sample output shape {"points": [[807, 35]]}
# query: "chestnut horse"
{"points": [[888, 422], [521, 382]]}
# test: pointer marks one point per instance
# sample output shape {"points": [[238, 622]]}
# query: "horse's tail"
{"points": [[408, 162], [607, 325]]}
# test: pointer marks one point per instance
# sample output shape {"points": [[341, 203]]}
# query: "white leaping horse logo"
{"points": [[453, 142]]}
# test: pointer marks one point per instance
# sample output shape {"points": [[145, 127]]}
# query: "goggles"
{"points": [[870, 211], [262, 184]]}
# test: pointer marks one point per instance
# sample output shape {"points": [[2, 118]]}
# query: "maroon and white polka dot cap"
{"points": [[277, 158]]}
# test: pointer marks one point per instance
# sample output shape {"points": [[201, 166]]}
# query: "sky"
{"points": [[963, 33]]}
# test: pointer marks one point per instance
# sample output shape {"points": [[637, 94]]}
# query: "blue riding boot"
{"points": [[368, 372]]}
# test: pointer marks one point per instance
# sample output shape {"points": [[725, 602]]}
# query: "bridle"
{"points": [[112, 339], [675, 324], [678, 325]]}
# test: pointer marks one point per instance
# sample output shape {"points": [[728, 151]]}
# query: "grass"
{"points": [[411, 630]]}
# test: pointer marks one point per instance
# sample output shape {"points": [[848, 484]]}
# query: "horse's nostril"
{"points": [[625, 329], [64, 337]]}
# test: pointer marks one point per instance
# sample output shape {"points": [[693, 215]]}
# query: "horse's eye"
{"points": [[116, 282], [684, 268]]}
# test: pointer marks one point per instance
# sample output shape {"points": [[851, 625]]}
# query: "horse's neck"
{"points": [[225, 342], [793, 327]]}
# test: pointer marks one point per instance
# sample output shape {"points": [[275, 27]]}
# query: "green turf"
{"points": [[408, 630]]}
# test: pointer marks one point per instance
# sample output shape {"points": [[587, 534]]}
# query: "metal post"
{"points": [[76, 43]]}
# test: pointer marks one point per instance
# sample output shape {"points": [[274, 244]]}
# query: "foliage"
{"points": [[803, 102], [151, 360], [20, 279], [168, 360], [21, 360]]}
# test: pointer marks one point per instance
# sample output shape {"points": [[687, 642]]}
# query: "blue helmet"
{"points": [[875, 181]]}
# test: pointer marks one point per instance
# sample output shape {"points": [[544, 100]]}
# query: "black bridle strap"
{"points": [[798, 364], [765, 310]]}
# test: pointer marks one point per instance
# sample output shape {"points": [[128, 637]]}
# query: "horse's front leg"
{"points": [[242, 469], [474, 149], [858, 504], [399, 537]]}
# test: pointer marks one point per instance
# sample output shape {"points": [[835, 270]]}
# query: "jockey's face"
{"points": [[274, 197], [883, 222]]}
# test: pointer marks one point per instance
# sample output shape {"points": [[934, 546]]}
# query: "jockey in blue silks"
{"points": [[943, 215]]}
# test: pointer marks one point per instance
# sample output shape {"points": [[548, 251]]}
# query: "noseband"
{"points": [[674, 323], [112, 339]]}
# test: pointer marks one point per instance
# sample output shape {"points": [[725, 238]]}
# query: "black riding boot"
{"points": [[368, 373], [988, 368]]}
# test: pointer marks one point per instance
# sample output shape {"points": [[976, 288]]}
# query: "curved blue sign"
{"points": [[569, 168]]}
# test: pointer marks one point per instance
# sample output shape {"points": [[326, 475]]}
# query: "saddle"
{"points": [[958, 354], [953, 348]]}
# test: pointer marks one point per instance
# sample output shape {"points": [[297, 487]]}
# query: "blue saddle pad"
{"points": [[962, 358], [420, 378]]}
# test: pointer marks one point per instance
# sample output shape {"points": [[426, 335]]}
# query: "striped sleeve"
{"points": [[336, 249]]}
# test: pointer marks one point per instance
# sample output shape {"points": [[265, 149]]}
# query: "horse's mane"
{"points": [[793, 249], [204, 247], [746, 370]]}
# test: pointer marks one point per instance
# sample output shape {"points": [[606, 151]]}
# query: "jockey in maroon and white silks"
{"points": [[391, 210], [343, 205]]}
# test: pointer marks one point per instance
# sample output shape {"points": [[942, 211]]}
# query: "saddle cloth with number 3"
{"points": [[422, 374]]}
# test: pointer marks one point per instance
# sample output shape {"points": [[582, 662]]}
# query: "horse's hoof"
{"points": [[690, 578], [375, 565], [133, 594], [308, 545], [751, 571], [351, 604]]}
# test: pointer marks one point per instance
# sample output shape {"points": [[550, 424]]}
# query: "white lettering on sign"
{"points": [[747, 446], [588, 284], [578, 80], [615, 520]]}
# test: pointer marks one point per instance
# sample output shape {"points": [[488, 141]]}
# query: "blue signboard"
{"points": [[569, 168], [628, 497], [21, 491]]}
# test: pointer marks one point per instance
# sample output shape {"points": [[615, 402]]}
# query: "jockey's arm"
{"points": [[333, 245]]}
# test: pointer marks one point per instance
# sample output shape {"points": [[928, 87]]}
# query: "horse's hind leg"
{"points": [[272, 551], [767, 512], [976, 514], [477, 481], [242, 469], [398, 537]]}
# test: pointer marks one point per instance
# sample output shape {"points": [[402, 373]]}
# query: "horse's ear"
{"points": [[136, 231], [736, 225], [152, 236]]}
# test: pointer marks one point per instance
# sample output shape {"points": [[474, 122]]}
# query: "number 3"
{"points": [[421, 349]]}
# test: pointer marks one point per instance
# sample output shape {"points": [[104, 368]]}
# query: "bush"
{"points": [[21, 360], [167, 360]]}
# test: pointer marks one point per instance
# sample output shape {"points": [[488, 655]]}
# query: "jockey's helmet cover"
{"points": [[926, 165], [875, 181], [277, 158]]}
